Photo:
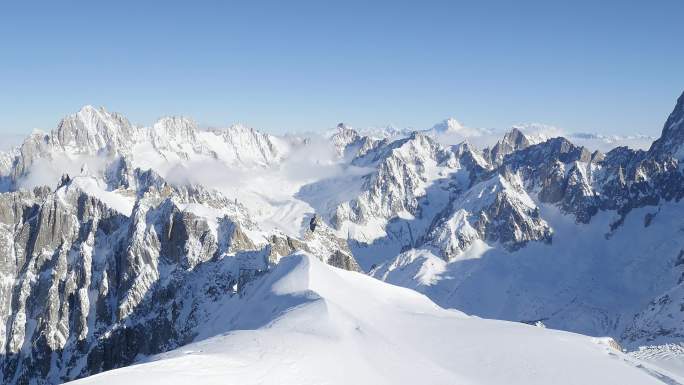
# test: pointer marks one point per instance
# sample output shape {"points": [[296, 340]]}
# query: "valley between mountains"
{"points": [[373, 256]]}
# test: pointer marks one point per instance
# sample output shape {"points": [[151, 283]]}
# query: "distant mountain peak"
{"points": [[151, 226], [671, 141], [448, 125]]}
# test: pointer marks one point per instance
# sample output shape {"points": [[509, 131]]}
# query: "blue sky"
{"points": [[604, 66]]}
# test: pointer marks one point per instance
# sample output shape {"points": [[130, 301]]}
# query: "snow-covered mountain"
{"points": [[307, 323], [120, 241], [581, 241]]}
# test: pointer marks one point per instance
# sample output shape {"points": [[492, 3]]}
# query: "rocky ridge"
{"points": [[116, 260]]}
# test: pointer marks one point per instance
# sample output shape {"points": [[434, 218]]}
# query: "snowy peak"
{"points": [[307, 323], [676, 118], [514, 140], [386, 132], [343, 137], [343, 126], [451, 131], [467, 153], [93, 129], [104, 139], [553, 149], [252, 147], [168, 228], [498, 210], [538, 132], [449, 125], [91, 132], [236, 144], [671, 141], [175, 127]]}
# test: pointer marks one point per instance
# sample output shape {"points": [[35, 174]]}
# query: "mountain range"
{"points": [[121, 242]]}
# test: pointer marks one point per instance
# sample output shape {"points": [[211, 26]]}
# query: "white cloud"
{"points": [[47, 172], [9, 141]]}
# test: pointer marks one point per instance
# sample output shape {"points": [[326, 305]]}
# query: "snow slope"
{"points": [[308, 323], [529, 227], [669, 357], [587, 286]]}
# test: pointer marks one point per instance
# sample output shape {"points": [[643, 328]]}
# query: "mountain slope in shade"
{"points": [[307, 323], [108, 263], [610, 261]]}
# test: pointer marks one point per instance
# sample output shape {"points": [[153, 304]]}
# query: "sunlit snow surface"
{"points": [[309, 323]]}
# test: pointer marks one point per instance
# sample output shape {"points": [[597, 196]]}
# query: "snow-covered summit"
{"points": [[453, 127], [118, 234], [96, 136], [448, 125], [307, 323], [91, 130], [344, 136]]}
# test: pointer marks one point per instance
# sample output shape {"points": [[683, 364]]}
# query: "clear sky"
{"points": [[604, 66]]}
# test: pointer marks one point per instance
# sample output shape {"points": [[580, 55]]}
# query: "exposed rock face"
{"points": [[400, 179], [103, 137], [322, 241], [513, 141], [344, 138], [319, 240], [115, 261], [517, 198], [497, 210], [91, 131], [671, 140], [86, 288]]}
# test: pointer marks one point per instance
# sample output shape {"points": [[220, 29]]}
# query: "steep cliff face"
{"points": [[91, 131], [497, 210], [671, 141], [101, 139], [125, 257], [550, 231], [511, 142], [87, 287]]}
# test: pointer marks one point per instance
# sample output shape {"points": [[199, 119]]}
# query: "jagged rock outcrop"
{"points": [[514, 140], [110, 141], [343, 137], [671, 141], [91, 131], [86, 288], [319, 240], [495, 211], [402, 172], [122, 256]]}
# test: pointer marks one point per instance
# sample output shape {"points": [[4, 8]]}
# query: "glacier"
{"points": [[119, 242]]}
